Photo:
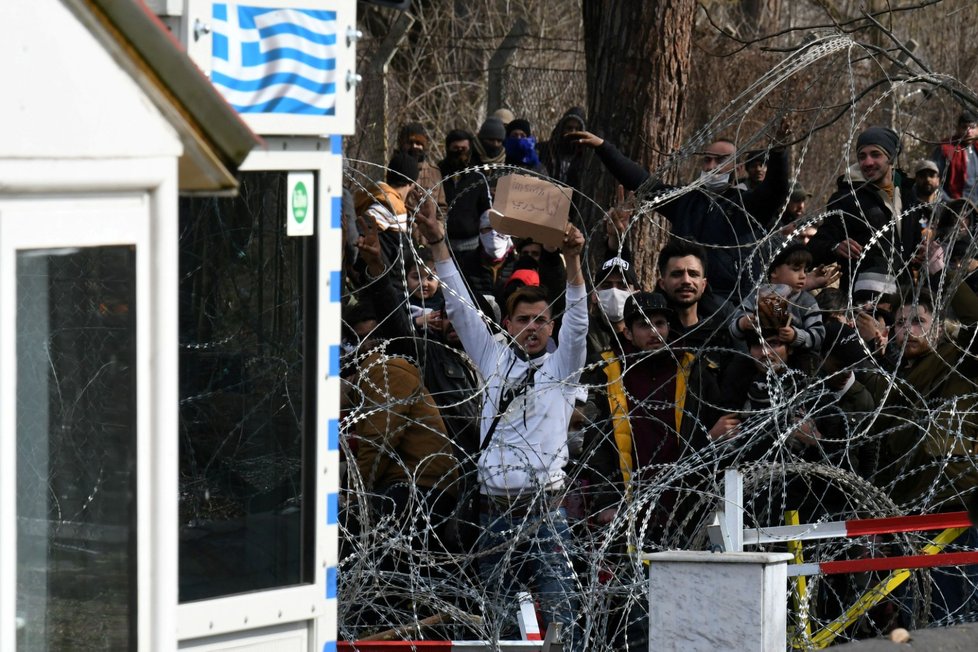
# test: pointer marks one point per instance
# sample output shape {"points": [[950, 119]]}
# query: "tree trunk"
{"points": [[637, 57]]}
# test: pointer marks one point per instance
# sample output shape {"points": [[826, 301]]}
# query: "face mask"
{"points": [[492, 151], [714, 181], [522, 150], [495, 244], [457, 161], [613, 303]]}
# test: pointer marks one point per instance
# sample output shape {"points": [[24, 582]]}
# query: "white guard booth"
{"points": [[169, 324]]}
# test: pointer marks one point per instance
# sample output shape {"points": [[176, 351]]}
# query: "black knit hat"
{"points": [[492, 129], [519, 123], [842, 343], [752, 337], [412, 129], [402, 169], [752, 156], [883, 137], [456, 135]]}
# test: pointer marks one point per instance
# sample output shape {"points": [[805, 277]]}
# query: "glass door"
{"points": [[72, 355]]}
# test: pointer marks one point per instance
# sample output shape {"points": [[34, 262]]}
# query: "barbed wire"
{"points": [[411, 554]]}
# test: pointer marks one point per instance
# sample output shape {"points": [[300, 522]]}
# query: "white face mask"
{"points": [[713, 181], [495, 244], [612, 302]]}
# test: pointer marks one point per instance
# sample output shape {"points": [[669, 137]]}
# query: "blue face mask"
{"points": [[521, 151]]}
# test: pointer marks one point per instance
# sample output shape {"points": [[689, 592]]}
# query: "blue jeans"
{"points": [[530, 551]]}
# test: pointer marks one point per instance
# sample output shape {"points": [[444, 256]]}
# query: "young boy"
{"points": [[424, 292], [784, 305]]}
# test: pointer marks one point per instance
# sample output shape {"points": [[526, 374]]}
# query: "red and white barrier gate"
{"points": [[529, 630], [728, 534]]}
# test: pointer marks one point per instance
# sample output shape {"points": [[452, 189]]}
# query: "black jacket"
{"points": [[727, 223], [858, 210], [468, 197], [448, 374]]}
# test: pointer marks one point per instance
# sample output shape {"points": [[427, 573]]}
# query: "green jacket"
{"points": [[929, 422]]}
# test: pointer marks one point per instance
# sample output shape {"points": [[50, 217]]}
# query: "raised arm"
{"points": [[396, 323], [572, 350], [459, 302], [628, 173]]}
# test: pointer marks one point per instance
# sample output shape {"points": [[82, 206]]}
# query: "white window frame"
{"points": [[57, 203], [306, 602]]}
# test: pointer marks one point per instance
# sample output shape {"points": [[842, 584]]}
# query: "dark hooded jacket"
{"points": [[727, 223], [565, 161]]}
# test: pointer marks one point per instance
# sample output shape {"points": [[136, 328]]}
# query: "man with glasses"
{"points": [[712, 210]]}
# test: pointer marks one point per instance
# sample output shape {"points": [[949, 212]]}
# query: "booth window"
{"points": [[76, 448], [247, 393]]}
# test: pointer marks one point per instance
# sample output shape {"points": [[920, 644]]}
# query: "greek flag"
{"points": [[275, 60]]}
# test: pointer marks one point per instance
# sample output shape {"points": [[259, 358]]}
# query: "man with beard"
{"points": [[957, 159], [695, 323], [927, 189], [727, 220], [866, 225], [413, 140]]}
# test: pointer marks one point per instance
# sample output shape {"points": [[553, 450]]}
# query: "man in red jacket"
{"points": [[957, 159]]}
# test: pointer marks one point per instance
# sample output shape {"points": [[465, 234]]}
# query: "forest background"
{"points": [[663, 78]]}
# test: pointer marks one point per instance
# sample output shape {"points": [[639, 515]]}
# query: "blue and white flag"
{"points": [[275, 60]]}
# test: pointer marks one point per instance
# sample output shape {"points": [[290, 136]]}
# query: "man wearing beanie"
{"points": [[957, 159], [466, 190], [383, 203], [413, 139], [489, 143], [521, 146], [869, 204]]}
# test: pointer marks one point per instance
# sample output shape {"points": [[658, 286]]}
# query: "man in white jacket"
{"points": [[529, 400]]}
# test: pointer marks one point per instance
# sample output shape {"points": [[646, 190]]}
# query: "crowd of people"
{"points": [[504, 404]]}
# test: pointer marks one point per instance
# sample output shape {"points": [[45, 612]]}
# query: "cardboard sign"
{"points": [[528, 207]]}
